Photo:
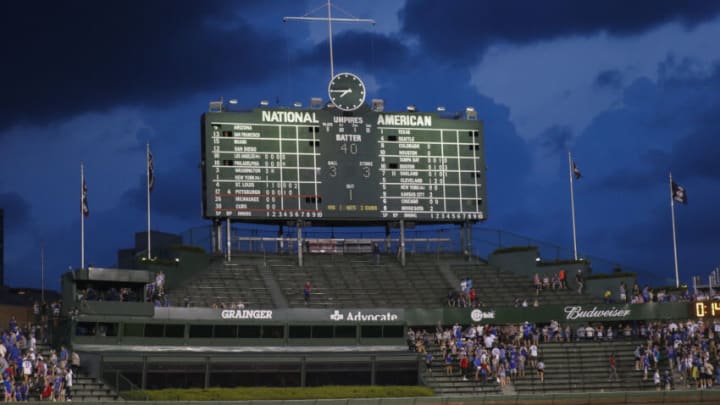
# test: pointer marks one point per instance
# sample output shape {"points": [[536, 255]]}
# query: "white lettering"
{"points": [[576, 312], [246, 314], [292, 117], [405, 120]]}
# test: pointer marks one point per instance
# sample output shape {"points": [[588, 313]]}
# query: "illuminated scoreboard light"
{"points": [[706, 309], [327, 164]]}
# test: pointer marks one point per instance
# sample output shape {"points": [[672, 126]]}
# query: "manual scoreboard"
{"points": [[330, 165], [326, 164]]}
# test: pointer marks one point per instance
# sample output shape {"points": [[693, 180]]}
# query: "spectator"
{"points": [[541, 370], [579, 281], [307, 290], [376, 252], [613, 368]]}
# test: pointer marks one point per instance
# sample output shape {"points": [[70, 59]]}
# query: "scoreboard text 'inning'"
{"points": [[327, 165]]}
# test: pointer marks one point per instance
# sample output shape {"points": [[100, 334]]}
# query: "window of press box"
{"points": [[249, 331], [377, 331], [345, 331], [201, 331], [371, 331], [393, 331], [107, 329], [300, 331], [322, 332], [154, 330], [175, 330], [273, 332], [134, 329], [85, 329], [225, 331]]}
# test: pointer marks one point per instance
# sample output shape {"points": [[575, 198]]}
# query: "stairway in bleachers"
{"points": [[85, 388], [444, 385]]}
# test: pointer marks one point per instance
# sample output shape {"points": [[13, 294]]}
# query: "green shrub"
{"points": [[264, 393]]}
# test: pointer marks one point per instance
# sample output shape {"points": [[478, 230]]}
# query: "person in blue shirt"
{"points": [[448, 364], [428, 362], [7, 385], [22, 391]]}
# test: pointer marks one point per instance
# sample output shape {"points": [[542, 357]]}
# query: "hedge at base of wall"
{"points": [[265, 393]]}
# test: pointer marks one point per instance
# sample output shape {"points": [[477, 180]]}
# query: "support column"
{"points": [[303, 371], [207, 372], [214, 237], [387, 237], [281, 240], [373, 360], [299, 243], [228, 236], [468, 240], [143, 377], [401, 248]]}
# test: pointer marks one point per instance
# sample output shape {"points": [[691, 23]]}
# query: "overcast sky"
{"points": [[632, 88]]}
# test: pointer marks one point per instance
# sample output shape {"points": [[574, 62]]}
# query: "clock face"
{"points": [[346, 91]]}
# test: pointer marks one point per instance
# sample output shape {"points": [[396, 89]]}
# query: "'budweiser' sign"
{"points": [[575, 312]]}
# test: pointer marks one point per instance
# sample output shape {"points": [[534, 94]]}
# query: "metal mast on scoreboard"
{"points": [[330, 20]]}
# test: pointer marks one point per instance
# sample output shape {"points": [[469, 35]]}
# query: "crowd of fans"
{"points": [[26, 373], [690, 348], [485, 352], [503, 353]]}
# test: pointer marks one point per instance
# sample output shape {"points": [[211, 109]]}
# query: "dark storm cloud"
{"points": [[610, 78], [367, 50], [63, 58], [696, 153], [16, 211], [176, 194], [554, 140], [463, 32]]}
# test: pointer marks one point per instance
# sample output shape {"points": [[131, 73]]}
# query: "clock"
{"points": [[706, 309], [346, 91]]}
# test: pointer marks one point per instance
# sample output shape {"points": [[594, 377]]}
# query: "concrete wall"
{"points": [[524, 262], [597, 286]]}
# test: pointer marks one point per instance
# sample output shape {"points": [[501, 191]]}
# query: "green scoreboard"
{"points": [[333, 165]]}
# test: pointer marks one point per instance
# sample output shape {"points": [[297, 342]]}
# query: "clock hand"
{"points": [[343, 92]]}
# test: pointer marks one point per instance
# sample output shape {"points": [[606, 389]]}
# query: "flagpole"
{"points": [[147, 172], [672, 214], [82, 216], [572, 205], [42, 271]]}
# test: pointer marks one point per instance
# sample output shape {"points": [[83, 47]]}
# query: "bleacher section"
{"points": [[496, 288], [343, 281], [569, 367], [84, 388], [584, 367], [354, 280], [227, 283]]}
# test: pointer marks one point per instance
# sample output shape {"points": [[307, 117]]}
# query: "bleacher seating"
{"points": [[500, 288], [354, 280], [226, 283]]}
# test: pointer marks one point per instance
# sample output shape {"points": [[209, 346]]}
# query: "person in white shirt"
{"points": [[69, 383], [27, 368], [533, 355]]}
